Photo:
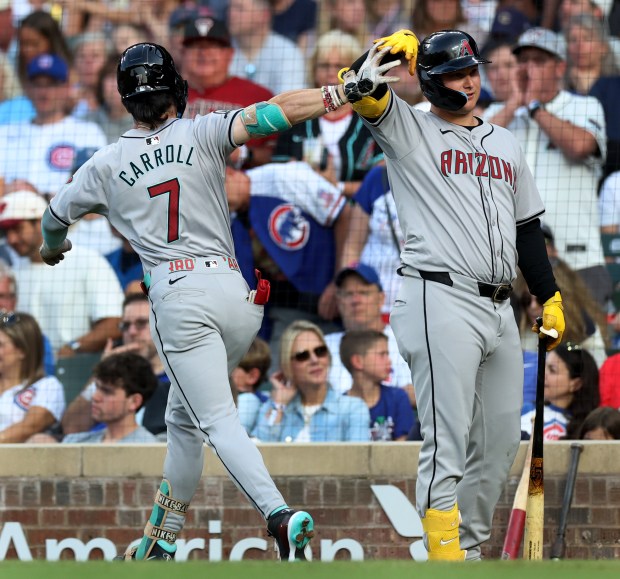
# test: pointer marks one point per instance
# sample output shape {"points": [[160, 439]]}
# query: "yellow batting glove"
{"points": [[403, 41], [553, 321]]}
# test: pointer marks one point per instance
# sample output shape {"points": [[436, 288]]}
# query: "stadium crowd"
{"points": [[312, 209]]}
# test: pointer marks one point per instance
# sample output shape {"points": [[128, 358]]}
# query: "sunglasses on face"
{"points": [[140, 323], [304, 356]]}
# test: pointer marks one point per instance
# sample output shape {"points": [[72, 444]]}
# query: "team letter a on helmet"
{"points": [[465, 49]]}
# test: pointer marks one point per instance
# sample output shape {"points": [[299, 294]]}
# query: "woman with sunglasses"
{"points": [[30, 402], [303, 406], [571, 393]]}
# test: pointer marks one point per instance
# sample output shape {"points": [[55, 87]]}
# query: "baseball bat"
{"points": [[535, 510], [516, 523], [559, 544]]}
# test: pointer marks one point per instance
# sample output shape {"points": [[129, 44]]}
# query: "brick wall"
{"points": [[115, 507]]}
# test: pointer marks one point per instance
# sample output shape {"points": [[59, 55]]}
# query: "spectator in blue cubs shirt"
{"points": [[365, 355]]}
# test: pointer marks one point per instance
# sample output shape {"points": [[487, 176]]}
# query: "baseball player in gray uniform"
{"points": [[469, 209], [162, 186]]}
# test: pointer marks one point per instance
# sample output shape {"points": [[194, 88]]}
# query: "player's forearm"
{"points": [[304, 104], [54, 233]]}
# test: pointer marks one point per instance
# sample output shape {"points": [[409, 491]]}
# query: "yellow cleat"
{"points": [[441, 535]]}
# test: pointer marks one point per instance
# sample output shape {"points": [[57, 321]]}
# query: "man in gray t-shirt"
{"points": [[125, 382]]}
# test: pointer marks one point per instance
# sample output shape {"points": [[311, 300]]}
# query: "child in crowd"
{"points": [[603, 423], [246, 380], [364, 353]]}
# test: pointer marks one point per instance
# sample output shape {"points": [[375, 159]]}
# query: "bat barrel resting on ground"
{"points": [[559, 544]]}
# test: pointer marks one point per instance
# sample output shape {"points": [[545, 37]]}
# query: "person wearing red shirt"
{"points": [[207, 55]]}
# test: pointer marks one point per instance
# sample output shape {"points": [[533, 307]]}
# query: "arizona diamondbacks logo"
{"points": [[203, 25], [465, 49]]}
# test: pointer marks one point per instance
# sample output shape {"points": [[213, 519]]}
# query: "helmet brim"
{"points": [[457, 64]]}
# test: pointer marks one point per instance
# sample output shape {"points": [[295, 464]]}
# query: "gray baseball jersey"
{"points": [[164, 191], [460, 193]]}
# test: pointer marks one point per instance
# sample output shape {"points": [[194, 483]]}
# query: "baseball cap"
{"points": [[186, 13], [206, 27], [509, 23], [366, 272], [50, 65], [19, 206], [543, 39]]}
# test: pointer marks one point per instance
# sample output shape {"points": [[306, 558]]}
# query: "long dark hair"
{"points": [[580, 364], [25, 334], [48, 27]]}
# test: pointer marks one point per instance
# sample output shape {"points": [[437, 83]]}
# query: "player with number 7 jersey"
{"points": [[162, 187]]}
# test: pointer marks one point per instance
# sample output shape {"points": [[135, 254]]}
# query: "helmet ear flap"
{"points": [[439, 95]]}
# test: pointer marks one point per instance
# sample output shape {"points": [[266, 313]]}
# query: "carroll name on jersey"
{"points": [[157, 158]]}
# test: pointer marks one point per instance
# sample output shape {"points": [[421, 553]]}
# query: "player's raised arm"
{"points": [[361, 81]]}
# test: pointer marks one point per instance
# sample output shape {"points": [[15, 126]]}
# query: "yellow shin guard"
{"points": [[441, 529]]}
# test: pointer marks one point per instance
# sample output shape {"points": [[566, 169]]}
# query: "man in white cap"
{"points": [[564, 140], [79, 308]]}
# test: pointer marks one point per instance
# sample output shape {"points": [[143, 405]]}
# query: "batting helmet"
{"points": [[144, 68], [442, 52]]}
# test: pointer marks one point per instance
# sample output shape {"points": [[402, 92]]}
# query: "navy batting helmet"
{"points": [[145, 68], [442, 52]]}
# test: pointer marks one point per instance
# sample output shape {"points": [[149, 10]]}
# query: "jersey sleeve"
{"points": [[83, 193], [397, 130], [213, 132], [49, 394], [609, 201], [591, 118]]}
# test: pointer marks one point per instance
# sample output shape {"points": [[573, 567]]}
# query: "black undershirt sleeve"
{"points": [[533, 261]]}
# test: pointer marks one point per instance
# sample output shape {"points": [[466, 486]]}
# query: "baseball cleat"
{"points": [[159, 552], [292, 531]]}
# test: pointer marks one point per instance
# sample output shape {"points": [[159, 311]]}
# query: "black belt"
{"points": [[498, 293]]}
